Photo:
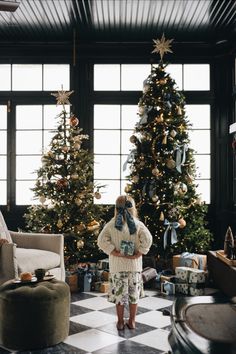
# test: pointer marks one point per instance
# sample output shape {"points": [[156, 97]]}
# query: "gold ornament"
{"points": [[135, 179], [93, 225], [42, 199], [80, 244], [74, 176], [78, 201], [74, 121], [65, 148], [155, 171], [162, 46], [182, 223], [97, 195], [173, 133], [142, 163], [179, 111], [155, 199], [162, 216], [164, 140], [128, 188], [62, 183], [180, 188], [133, 139], [81, 227], [170, 163], [59, 224], [62, 97], [162, 81], [159, 118], [77, 146]]}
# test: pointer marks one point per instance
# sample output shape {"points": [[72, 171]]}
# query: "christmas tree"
{"points": [[66, 192], [162, 167]]}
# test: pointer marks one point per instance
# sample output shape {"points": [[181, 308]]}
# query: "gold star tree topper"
{"points": [[162, 46], [62, 97]]}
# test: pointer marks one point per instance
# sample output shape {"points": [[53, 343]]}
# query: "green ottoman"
{"points": [[34, 315]]}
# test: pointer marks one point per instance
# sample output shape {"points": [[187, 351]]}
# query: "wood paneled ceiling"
{"points": [[119, 20]]}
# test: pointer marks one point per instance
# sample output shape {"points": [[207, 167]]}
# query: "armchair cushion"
{"points": [[4, 233], [30, 259]]}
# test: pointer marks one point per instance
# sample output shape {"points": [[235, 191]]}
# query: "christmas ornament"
{"points": [[78, 201], [170, 163], [159, 118], [162, 81], [128, 188], [93, 225], [162, 216], [164, 140], [133, 139], [77, 146], [62, 97], [182, 223], [155, 171], [173, 133], [179, 111], [180, 188], [74, 121], [74, 176], [155, 199], [42, 199], [135, 179], [97, 194], [62, 183], [162, 46], [81, 227], [65, 148], [59, 224], [80, 244]]}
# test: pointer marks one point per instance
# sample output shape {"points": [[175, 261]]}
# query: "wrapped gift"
{"points": [[182, 288], [103, 264], [196, 289], [127, 248], [168, 288], [197, 276], [72, 281], [84, 280], [105, 275], [97, 285], [104, 287], [183, 273], [192, 260], [149, 273]]}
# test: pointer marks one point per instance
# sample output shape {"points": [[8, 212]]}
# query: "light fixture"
{"points": [[10, 6]]}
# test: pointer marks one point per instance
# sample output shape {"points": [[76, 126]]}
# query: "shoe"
{"points": [[120, 328], [130, 327]]}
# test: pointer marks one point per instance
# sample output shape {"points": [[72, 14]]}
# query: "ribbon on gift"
{"points": [[129, 159], [170, 226], [180, 156], [187, 258]]}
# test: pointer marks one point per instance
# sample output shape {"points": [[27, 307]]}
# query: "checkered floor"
{"points": [[93, 327]]}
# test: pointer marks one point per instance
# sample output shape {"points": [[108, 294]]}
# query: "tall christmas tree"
{"points": [[162, 167], [66, 192]]}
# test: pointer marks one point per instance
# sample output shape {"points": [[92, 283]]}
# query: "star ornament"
{"points": [[162, 46], [62, 97]]}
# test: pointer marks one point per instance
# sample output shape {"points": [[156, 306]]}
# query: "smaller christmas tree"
{"points": [[66, 191]]}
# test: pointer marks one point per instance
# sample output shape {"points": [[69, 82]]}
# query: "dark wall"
{"points": [[82, 56]]}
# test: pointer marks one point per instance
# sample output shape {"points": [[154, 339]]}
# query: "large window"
{"points": [[3, 154], [114, 123]]}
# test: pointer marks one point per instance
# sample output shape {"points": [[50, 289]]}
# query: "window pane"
{"points": [[199, 115], [33, 73], [109, 193], [26, 166], [175, 71], [3, 167], [203, 188], [3, 193], [107, 166], [203, 165], [106, 141], [126, 145], [5, 75], [196, 77], [3, 117], [129, 116], [50, 113], [29, 117], [24, 194], [28, 142], [47, 138], [200, 141], [3, 142], [106, 116], [132, 76], [106, 77], [56, 76]]}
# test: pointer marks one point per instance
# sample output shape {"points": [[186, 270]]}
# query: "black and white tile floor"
{"points": [[93, 327]]}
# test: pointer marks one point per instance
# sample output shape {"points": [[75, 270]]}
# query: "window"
{"points": [[3, 154], [114, 122]]}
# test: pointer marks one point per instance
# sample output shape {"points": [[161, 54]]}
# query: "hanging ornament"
{"points": [[128, 188], [62, 183], [93, 225], [65, 148], [155, 199], [160, 118], [164, 140], [179, 111], [162, 216], [74, 121], [135, 178], [182, 223], [74, 176], [77, 146], [80, 244], [42, 199], [50, 154], [97, 194], [59, 224], [78, 201], [133, 139], [173, 133], [155, 171], [170, 163], [81, 227], [180, 189], [162, 81]]}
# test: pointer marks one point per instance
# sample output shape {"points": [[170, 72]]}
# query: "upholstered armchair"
{"points": [[25, 252]]}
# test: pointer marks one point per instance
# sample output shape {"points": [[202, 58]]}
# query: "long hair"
{"points": [[120, 202]]}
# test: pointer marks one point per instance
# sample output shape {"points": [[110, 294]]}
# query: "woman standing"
{"points": [[125, 239]]}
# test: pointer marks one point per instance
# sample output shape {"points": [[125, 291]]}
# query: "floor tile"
{"points": [[112, 310], [92, 340], [127, 347], [154, 303], [94, 319], [154, 318], [157, 339], [95, 303], [78, 310], [77, 328], [126, 333], [81, 296]]}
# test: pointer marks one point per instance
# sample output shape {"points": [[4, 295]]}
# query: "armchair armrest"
{"points": [[8, 263]]}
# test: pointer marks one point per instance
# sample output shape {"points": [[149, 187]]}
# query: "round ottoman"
{"points": [[34, 315]]}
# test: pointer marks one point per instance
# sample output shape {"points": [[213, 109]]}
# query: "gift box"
{"points": [[72, 281], [168, 288], [103, 264], [97, 285], [84, 281], [182, 288], [196, 289], [104, 287], [127, 248], [148, 273], [192, 260], [105, 275], [183, 273], [197, 276]]}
